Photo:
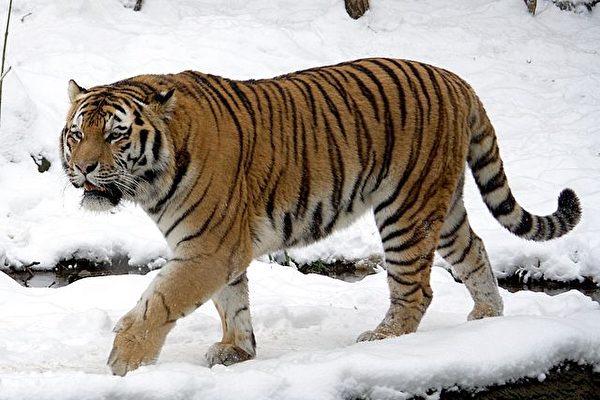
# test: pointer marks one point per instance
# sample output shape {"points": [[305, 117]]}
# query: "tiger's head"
{"points": [[114, 143]]}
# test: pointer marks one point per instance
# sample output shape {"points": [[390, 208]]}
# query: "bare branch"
{"points": [[4, 54], [5, 73]]}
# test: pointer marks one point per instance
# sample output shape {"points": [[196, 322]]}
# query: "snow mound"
{"points": [[538, 78], [55, 341]]}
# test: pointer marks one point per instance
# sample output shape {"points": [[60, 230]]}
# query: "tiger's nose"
{"points": [[87, 167]]}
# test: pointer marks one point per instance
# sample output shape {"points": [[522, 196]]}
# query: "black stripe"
{"points": [[164, 303], [400, 281], [452, 232], [307, 93], [551, 228], [284, 96], [144, 88], [328, 76], [144, 316], [270, 112], [540, 229], [401, 96], [465, 252], [388, 124], [419, 232], [156, 145], [397, 233], [239, 311], [329, 227], [237, 280], [331, 106], [413, 192], [204, 80], [200, 231], [337, 166], [506, 207], [118, 107], [478, 268], [192, 186], [250, 136], [444, 245], [424, 90], [143, 138], [415, 151], [366, 92], [182, 160], [138, 118], [407, 244], [494, 183], [413, 290], [187, 212], [485, 159], [270, 207], [353, 193], [405, 263], [199, 93], [317, 221], [398, 301], [562, 221], [525, 224], [365, 151], [287, 227], [369, 174], [304, 194]]}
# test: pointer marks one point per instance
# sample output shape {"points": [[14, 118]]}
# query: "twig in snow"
{"points": [[25, 16], [138, 5]]}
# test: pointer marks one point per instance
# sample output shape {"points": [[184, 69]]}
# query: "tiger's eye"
{"points": [[113, 136]]}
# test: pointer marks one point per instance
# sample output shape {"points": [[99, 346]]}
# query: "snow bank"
{"points": [[538, 78], [54, 342]]}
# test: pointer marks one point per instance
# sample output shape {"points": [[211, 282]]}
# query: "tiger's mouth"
{"points": [[100, 198]]}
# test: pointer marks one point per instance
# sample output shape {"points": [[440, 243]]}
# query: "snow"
{"points": [[55, 341], [539, 80]]}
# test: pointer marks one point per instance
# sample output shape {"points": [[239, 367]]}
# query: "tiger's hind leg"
{"points": [[238, 343], [409, 244], [464, 250]]}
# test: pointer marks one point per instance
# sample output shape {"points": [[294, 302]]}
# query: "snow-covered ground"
{"points": [[539, 78], [54, 342]]}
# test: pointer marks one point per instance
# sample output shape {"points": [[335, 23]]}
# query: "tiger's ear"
{"points": [[74, 90], [164, 101]]}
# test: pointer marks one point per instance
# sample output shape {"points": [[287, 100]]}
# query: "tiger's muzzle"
{"points": [[100, 198]]}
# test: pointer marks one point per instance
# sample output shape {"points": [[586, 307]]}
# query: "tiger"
{"points": [[231, 170]]}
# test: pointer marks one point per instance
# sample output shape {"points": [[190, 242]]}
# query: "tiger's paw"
{"points": [[226, 354], [134, 345], [370, 336], [484, 311]]}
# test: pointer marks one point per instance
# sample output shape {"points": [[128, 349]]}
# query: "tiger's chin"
{"points": [[100, 199]]}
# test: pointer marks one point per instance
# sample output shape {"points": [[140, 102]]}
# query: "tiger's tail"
{"points": [[487, 169]]}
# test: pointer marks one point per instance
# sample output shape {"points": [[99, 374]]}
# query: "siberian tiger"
{"points": [[231, 170]]}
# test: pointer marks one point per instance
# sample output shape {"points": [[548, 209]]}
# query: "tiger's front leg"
{"points": [[182, 285], [238, 343]]}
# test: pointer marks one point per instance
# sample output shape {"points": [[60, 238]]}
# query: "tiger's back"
{"points": [[318, 147], [230, 170]]}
